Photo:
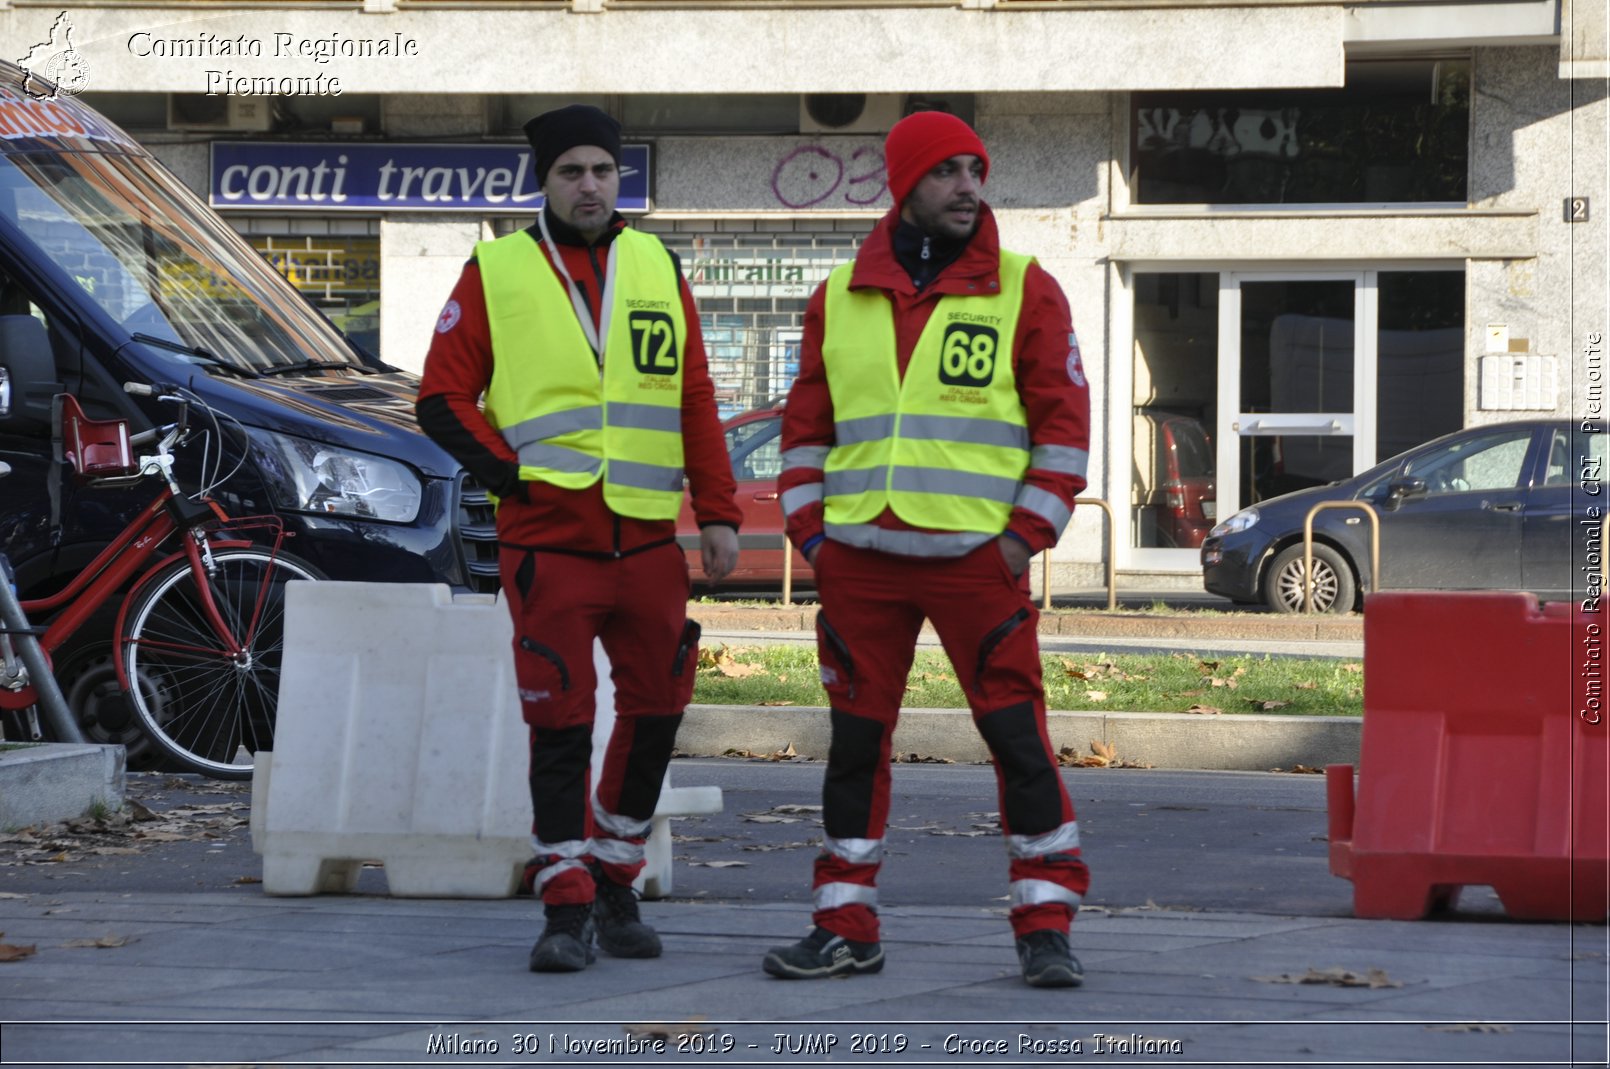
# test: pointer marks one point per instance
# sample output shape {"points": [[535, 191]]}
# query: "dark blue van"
{"points": [[112, 271]]}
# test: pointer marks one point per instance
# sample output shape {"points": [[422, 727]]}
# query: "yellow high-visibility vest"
{"points": [[570, 423], [945, 448]]}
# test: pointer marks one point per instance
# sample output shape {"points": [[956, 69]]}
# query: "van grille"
{"points": [[477, 536]]}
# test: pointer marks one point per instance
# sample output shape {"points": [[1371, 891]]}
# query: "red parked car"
{"points": [[1176, 457], [754, 443]]}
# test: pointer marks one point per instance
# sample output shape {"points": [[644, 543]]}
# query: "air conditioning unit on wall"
{"points": [[206, 111], [849, 113]]}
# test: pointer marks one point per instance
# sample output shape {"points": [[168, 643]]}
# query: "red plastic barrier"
{"points": [[1483, 760]]}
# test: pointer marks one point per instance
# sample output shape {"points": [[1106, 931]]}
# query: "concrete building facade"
{"points": [[1297, 237]]}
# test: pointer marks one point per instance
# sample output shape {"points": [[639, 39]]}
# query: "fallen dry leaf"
{"points": [[719, 864], [1306, 685], [1207, 667], [1335, 977], [248, 879], [796, 807], [774, 703], [919, 759], [769, 818], [105, 942], [1096, 695], [1266, 705], [1103, 749], [11, 894], [16, 953], [763, 848], [1472, 1026], [735, 670], [1230, 683], [1353, 667], [1206, 710]]}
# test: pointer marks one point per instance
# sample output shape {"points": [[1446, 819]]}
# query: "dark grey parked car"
{"points": [[1505, 506]]}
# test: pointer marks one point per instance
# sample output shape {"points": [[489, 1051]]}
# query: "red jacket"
{"points": [[539, 515], [1050, 378]]}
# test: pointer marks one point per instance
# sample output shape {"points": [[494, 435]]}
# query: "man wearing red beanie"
{"points": [[934, 441]]}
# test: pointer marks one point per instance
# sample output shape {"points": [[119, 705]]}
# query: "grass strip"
{"points": [[1146, 683]]}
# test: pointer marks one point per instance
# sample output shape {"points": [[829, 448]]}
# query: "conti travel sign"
{"points": [[376, 176]]}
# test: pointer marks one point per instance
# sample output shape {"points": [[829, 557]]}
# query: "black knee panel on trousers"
{"points": [[1032, 784], [852, 765], [560, 760], [653, 739]]}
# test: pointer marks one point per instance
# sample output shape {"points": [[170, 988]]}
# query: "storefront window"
{"points": [[1420, 353], [1172, 497], [339, 275], [1398, 132]]}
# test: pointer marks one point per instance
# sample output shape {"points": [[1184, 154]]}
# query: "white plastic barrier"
{"points": [[399, 739]]}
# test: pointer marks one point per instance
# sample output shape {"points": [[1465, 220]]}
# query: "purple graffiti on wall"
{"points": [[810, 176]]}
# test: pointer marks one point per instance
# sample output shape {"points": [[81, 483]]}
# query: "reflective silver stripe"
{"points": [[1062, 840], [955, 483], [644, 476], [800, 496], [834, 895], [619, 826], [544, 875], [853, 481], [558, 458], [966, 429], [1041, 893], [1064, 459], [863, 429], [587, 418], [855, 851], [806, 456], [1045, 504], [907, 543], [645, 417], [617, 851], [571, 850], [568, 848]]}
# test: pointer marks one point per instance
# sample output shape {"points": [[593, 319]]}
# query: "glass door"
{"points": [[1295, 375]]}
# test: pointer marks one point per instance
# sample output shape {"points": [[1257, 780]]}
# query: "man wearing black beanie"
{"points": [[583, 338]]}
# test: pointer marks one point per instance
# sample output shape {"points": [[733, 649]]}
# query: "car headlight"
{"points": [[310, 476], [1239, 522]]}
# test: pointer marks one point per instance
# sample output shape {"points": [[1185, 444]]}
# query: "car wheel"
{"points": [[1333, 590]]}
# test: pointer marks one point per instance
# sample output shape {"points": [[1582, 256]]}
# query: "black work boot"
{"points": [[621, 931], [1046, 960], [566, 944], [820, 954]]}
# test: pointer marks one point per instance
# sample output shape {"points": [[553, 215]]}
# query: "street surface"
{"points": [[1155, 839]]}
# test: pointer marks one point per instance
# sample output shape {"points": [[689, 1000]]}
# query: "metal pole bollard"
{"points": [[48, 694], [788, 571], [1112, 563], [1308, 545]]}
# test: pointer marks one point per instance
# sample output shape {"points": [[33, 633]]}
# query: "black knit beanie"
{"points": [[554, 133]]}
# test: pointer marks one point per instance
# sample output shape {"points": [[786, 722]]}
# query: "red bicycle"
{"points": [[199, 634]]}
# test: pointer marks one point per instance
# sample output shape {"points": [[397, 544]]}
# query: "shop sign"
{"points": [[378, 176]]}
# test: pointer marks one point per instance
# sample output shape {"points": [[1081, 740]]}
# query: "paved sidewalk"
{"points": [[216, 978]]}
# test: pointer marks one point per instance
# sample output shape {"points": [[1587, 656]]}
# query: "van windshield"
{"points": [[157, 261]]}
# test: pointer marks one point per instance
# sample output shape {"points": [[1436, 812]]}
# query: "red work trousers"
{"points": [[637, 605], [873, 605]]}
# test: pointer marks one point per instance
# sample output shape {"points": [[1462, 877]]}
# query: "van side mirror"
{"points": [[27, 374], [1400, 490]]}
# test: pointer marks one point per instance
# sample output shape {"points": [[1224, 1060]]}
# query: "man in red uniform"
{"points": [[583, 337], [934, 441]]}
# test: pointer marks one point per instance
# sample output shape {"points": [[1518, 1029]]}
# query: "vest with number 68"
{"points": [[946, 447]]}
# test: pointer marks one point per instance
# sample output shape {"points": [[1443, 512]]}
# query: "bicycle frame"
{"points": [[127, 554]]}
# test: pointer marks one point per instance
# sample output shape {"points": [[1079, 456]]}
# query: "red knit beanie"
{"points": [[920, 141]]}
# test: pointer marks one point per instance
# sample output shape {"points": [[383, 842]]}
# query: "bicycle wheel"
{"points": [[206, 709]]}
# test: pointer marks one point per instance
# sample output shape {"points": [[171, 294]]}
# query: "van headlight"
{"points": [[310, 476], [1239, 522]]}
